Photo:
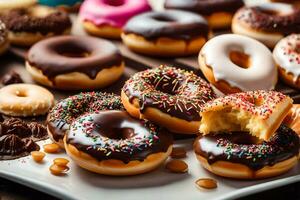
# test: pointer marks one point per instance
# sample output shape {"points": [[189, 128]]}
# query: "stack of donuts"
{"points": [[244, 129]]}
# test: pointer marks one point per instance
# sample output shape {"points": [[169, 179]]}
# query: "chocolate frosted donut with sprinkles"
{"points": [[268, 22], [114, 143], [167, 96], [240, 155], [65, 111]]}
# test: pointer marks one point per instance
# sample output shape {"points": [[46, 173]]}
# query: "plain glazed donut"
{"points": [[64, 112], [166, 33], [218, 13], [22, 100], [15, 4], [29, 25], [267, 22], [75, 62], [105, 18], [258, 112], [235, 63], [287, 57], [242, 156], [167, 96], [113, 143], [292, 120], [4, 42]]}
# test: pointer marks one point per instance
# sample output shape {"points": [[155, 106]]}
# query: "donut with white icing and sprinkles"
{"points": [[114, 143], [287, 57], [235, 63], [67, 110], [167, 96]]}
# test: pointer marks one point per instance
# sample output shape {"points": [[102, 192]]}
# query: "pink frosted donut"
{"points": [[105, 18]]}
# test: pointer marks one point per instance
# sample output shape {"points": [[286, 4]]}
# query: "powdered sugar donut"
{"points": [[106, 18], [287, 57], [235, 63]]}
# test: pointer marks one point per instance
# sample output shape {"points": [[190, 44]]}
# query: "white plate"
{"points": [[159, 184]]}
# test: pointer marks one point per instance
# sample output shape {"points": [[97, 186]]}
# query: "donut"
{"points": [[106, 18], [242, 156], [67, 5], [29, 25], [67, 110], [267, 22], [22, 100], [235, 63], [113, 143], [14, 4], [4, 43], [292, 120], [287, 58], [166, 33], [75, 62], [258, 112], [167, 96], [292, 2], [218, 13]]}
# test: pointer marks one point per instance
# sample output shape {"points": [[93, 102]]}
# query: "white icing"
{"points": [[281, 8], [286, 55], [262, 73]]}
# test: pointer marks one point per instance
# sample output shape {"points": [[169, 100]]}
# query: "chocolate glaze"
{"points": [[65, 111], [11, 78], [130, 139], [205, 7], [241, 147], [171, 23], [174, 91], [64, 54], [259, 18], [20, 20], [17, 138]]}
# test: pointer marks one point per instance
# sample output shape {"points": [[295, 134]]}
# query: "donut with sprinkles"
{"points": [[167, 96], [67, 110]]}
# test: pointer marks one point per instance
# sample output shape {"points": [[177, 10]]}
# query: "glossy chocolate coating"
{"points": [[65, 111], [116, 135], [171, 24], [67, 54], [20, 20], [176, 92], [265, 19], [205, 7], [11, 78], [241, 147]]}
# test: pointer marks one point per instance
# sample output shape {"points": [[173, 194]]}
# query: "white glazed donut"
{"points": [[235, 63], [287, 57]]}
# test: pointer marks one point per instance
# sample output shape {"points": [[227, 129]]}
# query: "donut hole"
{"points": [[21, 93], [118, 133], [269, 12], [114, 2], [163, 18], [240, 59], [243, 138], [74, 51]]}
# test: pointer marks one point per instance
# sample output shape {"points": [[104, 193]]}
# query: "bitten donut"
{"points": [[292, 120], [25, 100], [106, 18], [75, 62], [67, 5], [267, 22], [14, 4], [287, 57], [113, 143], [218, 13], [64, 112], [242, 156], [166, 33], [167, 96], [4, 42], [29, 25], [235, 63]]}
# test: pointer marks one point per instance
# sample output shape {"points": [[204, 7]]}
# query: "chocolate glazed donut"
{"points": [[217, 12], [242, 148], [65, 55]]}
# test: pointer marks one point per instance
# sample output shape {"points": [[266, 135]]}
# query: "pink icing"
{"points": [[112, 12]]}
